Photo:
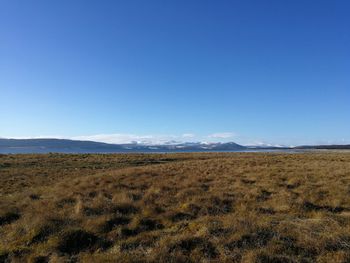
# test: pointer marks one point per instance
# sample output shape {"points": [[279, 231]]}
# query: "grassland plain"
{"points": [[198, 207]]}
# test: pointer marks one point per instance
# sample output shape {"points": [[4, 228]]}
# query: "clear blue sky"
{"points": [[245, 71]]}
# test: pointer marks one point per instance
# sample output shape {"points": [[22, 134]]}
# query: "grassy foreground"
{"points": [[203, 207]]}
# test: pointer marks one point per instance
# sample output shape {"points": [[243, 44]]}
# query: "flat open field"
{"points": [[203, 207]]}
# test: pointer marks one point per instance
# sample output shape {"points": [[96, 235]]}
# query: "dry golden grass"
{"points": [[208, 207]]}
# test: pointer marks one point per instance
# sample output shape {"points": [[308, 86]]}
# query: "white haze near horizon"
{"points": [[124, 138], [149, 139]]}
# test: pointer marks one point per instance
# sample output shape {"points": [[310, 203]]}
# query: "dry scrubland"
{"points": [[238, 207]]}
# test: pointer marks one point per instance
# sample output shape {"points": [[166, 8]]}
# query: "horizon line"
{"points": [[169, 142]]}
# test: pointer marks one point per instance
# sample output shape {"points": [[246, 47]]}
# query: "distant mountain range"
{"points": [[325, 147], [73, 146]]}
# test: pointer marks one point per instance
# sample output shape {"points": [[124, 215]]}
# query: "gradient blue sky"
{"points": [[244, 71]]}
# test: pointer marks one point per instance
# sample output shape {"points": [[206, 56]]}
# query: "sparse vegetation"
{"points": [[200, 207]]}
